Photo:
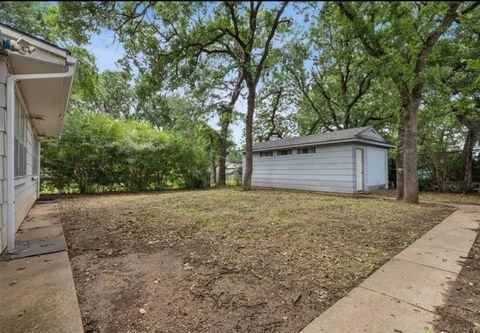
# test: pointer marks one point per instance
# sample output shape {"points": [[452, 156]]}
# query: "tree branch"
{"points": [[266, 48]]}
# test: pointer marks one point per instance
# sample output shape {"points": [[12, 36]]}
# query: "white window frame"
{"points": [[20, 139]]}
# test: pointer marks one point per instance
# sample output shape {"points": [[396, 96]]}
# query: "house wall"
{"points": [[331, 168], [3, 153], [25, 186]]}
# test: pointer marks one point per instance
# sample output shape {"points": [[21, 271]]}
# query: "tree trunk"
{"points": [[399, 161], [247, 179], [223, 149], [225, 120], [467, 163], [440, 171], [410, 151], [214, 169]]}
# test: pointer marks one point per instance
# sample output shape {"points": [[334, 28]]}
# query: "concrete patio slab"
{"points": [[353, 314], [402, 295], [413, 283], [38, 295]]}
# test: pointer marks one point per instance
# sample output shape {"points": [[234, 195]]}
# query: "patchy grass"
{"points": [[471, 199], [227, 260]]}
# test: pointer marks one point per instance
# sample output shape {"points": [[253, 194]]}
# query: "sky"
{"points": [[107, 51]]}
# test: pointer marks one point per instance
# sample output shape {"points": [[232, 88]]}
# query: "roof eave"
{"points": [[13, 32], [369, 142]]}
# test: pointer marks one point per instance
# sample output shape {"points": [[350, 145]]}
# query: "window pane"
{"points": [[20, 142]]}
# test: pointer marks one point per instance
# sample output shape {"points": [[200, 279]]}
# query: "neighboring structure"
{"points": [[35, 82], [347, 161], [233, 171]]}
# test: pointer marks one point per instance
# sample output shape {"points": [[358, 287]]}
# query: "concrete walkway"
{"points": [[36, 282], [402, 295]]}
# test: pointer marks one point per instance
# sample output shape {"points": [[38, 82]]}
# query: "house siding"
{"points": [[3, 152], [25, 186], [330, 169]]}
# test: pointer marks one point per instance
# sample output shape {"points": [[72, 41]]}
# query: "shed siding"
{"points": [[330, 169], [26, 186]]}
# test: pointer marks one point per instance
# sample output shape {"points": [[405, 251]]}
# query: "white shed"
{"points": [[348, 161]]}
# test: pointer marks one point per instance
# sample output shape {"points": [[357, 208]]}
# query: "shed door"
{"points": [[359, 168]]}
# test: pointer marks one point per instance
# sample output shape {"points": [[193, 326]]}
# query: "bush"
{"points": [[97, 153]]}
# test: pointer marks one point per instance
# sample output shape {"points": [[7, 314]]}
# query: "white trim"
{"points": [[12, 34], [368, 142], [39, 146], [362, 171]]}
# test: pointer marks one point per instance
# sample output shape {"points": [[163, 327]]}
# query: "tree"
{"points": [[118, 95], [48, 22], [402, 36], [332, 73], [458, 80], [211, 141], [180, 36], [438, 135], [275, 115], [226, 117]]}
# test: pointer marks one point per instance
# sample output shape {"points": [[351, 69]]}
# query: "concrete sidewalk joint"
{"points": [[38, 291], [401, 296]]}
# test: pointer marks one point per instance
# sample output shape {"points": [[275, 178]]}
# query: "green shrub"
{"points": [[97, 153]]}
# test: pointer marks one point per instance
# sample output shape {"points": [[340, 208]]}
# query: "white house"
{"points": [[35, 83], [348, 161]]}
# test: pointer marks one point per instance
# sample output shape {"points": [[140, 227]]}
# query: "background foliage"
{"points": [[97, 153]]}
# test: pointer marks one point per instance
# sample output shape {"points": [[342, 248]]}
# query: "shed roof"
{"points": [[366, 134]]}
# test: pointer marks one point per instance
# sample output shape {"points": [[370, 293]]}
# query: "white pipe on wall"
{"points": [[12, 79], [38, 167]]}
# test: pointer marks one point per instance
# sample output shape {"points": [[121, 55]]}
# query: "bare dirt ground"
{"points": [[223, 260], [461, 314]]}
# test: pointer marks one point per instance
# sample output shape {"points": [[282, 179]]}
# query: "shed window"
{"points": [[266, 153], [284, 152], [309, 150], [20, 148]]}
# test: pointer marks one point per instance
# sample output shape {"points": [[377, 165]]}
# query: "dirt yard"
{"points": [[223, 260], [461, 313]]}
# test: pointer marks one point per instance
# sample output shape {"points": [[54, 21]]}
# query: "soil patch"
{"points": [[461, 313], [224, 260]]}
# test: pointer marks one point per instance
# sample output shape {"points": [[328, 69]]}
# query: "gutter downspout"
{"points": [[38, 167], [11, 80]]}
